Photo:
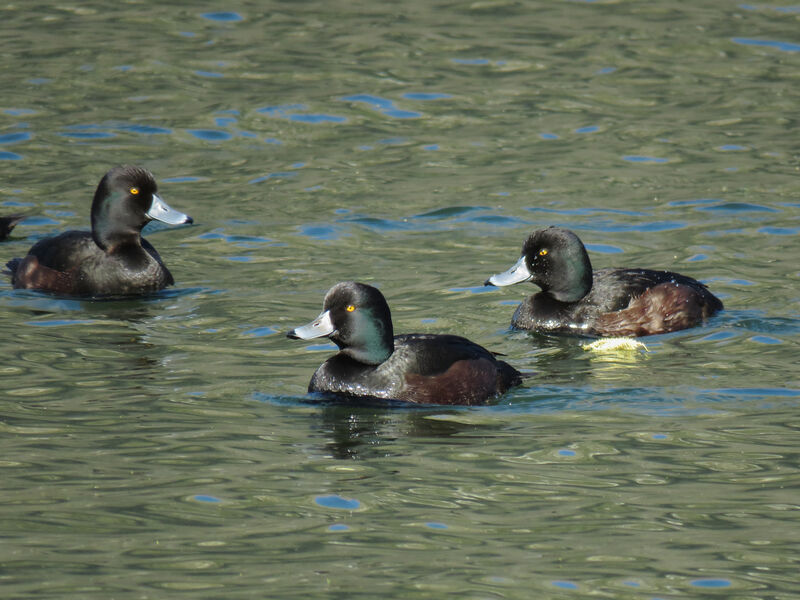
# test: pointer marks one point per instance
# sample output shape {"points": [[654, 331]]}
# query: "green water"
{"points": [[165, 448]]}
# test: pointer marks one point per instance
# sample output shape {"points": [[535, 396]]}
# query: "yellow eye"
{"points": [[134, 191], [350, 308], [543, 252]]}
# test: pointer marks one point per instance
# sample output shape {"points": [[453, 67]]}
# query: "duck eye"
{"points": [[350, 307], [134, 191], [543, 252]]}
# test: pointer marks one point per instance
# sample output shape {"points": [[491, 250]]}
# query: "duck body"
{"points": [[72, 263], [416, 368], [422, 369], [607, 302], [112, 259]]}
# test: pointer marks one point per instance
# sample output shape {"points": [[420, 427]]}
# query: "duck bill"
{"points": [[322, 326], [161, 211], [516, 274]]}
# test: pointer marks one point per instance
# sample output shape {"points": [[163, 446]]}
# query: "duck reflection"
{"points": [[369, 431]]}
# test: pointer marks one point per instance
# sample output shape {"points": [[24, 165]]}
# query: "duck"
{"points": [[604, 303], [112, 259], [417, 368], [7, 223]]}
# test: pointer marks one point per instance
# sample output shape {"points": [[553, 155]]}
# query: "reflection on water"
{"points": [[166, 446]]}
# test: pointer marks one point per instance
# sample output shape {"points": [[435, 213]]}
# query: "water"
{"points": [[165, 447]]}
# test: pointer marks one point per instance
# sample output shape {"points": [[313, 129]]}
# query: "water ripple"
{"points": [[382, 105]]}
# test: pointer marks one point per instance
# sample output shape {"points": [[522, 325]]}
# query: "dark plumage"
{"points": [[111, 260], [8, 223], [418, 368], [606, 302]]}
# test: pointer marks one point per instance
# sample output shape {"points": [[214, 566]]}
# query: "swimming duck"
{"points": [[113, 259], [374, 363], [606, 302]]}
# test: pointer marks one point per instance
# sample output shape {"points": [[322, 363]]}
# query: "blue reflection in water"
{"points": [[320, 232], [471, 61], [644, 159], [15, 138], [294, 112], [186, 179], [261, 332], [247, 241], [477, 289], [565, 585], [337, 502], [145, 129], [9, 155], [321, 347], [711, 583], [382, 105], [779, 230], [206, 498], [317, 118], [426, 96], [694, 202], [277, 175], [738, 207], [210, 135], [783, 46], [97, 131], [60, 322], [604, 248], [227, 17]]}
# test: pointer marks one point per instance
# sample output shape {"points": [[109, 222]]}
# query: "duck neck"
{"points": [[574, 278], [117, 241], [370, 342]]}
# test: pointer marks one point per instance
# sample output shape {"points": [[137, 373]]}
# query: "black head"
{"points": [[124, 202], [558, 263], [555, 260], [356, 318]]}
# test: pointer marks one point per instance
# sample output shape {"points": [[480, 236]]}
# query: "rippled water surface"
{"points": [[165, 447]]}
